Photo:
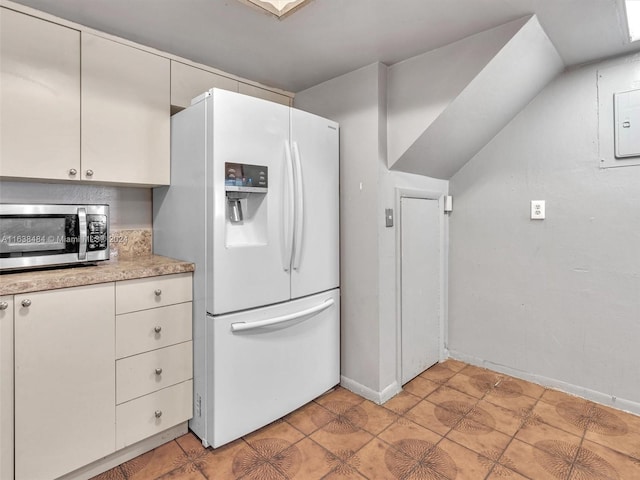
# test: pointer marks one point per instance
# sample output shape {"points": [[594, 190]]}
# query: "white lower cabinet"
{"points": [[154, 369], [6, 387], [152, 329], [80, 383], [64, 380], [145, 373], [153, 413]]}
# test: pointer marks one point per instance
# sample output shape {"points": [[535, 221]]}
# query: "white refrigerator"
{"points": [[253, 202]]}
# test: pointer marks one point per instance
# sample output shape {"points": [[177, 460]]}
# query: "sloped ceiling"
{"points": [[328, 38], [445, 105]]}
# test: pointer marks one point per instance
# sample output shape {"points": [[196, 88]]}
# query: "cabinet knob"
{"points": [[158, 329], [158, 371], [158, 413], [73, 171], [89, 173], [158, 292], [26, 303], [4, 305]]}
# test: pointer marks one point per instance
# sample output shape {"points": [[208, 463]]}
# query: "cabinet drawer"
{"points": [[143, 293], [139, 332], [151, 414], [145, 373]]}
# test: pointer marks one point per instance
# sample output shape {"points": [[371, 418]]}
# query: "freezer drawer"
{"points": [[270, 361]]}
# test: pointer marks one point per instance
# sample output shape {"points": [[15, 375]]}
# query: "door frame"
{"points": [[401, 193]]}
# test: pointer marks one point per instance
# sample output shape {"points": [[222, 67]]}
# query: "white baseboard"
{"points": [[595, 396], [368, 393], [126, 454]]}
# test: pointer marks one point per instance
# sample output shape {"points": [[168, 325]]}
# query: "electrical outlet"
{"points": [[537, 210]]}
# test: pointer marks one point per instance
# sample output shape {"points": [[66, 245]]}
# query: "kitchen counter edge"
{"points": [[109, 271]]}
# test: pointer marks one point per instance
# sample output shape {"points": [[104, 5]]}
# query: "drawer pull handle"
{"points": [[4, 305], [73, 171], [26, 303], [158, 371], [89, 173], [158, 292], [158, 329], [158, 413]]}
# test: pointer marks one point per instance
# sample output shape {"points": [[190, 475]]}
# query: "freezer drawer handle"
{"points": [[243, 326]]}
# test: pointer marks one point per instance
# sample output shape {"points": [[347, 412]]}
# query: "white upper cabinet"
{"points": [[263, 93], [40, 98], [125, 113], [77, 106], [188, 82]]}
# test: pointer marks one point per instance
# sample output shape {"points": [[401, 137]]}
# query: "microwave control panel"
{"points": [[97, 234]]}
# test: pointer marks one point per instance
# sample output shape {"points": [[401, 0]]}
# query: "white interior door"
{"points": [[316, 257], [420, 285]]}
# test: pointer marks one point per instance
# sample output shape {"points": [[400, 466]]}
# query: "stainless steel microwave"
{"points": [[33, 236]]}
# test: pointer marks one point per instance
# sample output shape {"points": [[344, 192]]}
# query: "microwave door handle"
{"points": [[82, 224]]}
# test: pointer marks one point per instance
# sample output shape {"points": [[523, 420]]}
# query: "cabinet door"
{"points": [[263, 93], [6, 387], [125, 113], [40, 98], [188, 82], [64, 380]]}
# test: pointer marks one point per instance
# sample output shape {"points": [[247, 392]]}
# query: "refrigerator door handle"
{"points": [[288, 206], [243, 326], [299, 209]]}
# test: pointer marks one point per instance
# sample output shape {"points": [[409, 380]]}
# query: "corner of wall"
{"points": [[517, 66]]}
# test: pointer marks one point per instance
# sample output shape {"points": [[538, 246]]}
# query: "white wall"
{"points": [[556, 301], [507, 83], [353, 101], [422, 87], [130, 208], [358, 102]]}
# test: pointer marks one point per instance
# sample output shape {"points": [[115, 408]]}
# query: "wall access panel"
{"points": [[619, 115]]}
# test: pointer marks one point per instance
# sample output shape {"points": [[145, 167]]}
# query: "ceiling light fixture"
{"points": [[278, 8], [632, 8]]}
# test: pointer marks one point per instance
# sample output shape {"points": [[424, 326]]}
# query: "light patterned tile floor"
{"points": [[453, 422]]}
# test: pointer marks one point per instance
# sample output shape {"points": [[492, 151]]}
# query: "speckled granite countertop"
{"points": [[109, 271]]}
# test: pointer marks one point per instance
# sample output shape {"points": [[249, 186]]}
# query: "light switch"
{"points": [[388, 217], [537, 209]]}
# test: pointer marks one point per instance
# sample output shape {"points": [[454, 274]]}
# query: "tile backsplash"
{"points": [[129, 208]]}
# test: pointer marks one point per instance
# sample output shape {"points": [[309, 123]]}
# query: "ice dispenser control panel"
{"points": [[242, 177]]}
